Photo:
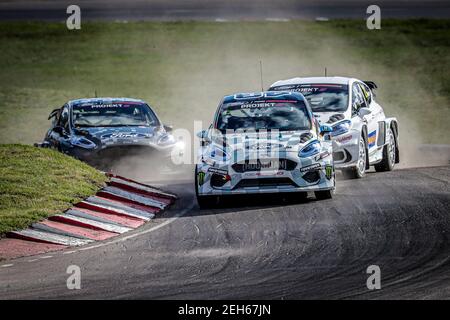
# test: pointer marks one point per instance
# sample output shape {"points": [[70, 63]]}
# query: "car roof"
{"points": [[299, 80], [104, 100], [264, 95]]}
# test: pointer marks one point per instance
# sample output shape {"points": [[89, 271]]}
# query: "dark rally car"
{"points": [[102, 130]]}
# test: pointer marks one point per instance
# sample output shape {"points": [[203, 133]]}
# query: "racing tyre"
{"points": [[323, 195], [204, 202], [302, 195], [389, 150], [360, 170]]}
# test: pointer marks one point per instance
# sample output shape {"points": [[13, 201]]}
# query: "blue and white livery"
{"points": [[265, 142]]}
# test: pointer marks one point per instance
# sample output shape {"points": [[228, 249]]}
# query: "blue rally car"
{"points": [[264, 142], [102, 130]]}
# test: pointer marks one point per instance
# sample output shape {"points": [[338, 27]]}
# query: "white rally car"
{"points": [[362, 135], [265, 142]]}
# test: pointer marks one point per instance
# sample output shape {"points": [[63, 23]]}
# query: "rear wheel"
{"points": [[323, 195], [359, 171], [389, 150]]}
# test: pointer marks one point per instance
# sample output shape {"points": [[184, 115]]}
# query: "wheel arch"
{"points": [[364, 134], [392, 123]]}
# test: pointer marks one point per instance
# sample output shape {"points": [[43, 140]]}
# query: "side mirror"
{"points": [[168, 128], [203, 136], [325, 131], [364, 112]]}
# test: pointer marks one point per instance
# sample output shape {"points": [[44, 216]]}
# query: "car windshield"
{"points": [[113, 115], [322, 97], [280, 115]]}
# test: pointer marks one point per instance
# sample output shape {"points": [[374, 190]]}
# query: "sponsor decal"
{"points": [[218, 171], [269, 165], [201, 178], [344, 138], [257, 105], [372, 138], [328, 171], [314, 166], [111, 105], [263, 174], [265, 146]]}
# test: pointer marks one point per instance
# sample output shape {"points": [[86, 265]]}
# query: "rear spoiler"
{"points": [[372, 85]]}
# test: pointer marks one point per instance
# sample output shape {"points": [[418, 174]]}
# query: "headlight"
{"points": [[166, 139], [341, 127], [310, 149], [83, 143]]}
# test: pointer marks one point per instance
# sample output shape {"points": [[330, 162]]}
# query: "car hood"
{"points": [[283, 141]]}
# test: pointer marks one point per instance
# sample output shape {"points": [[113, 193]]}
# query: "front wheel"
{"points": [[389, 150], [205, 202], [323, 195]]}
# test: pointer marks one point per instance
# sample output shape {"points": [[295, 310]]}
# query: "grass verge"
{"points": [[36, 183]]}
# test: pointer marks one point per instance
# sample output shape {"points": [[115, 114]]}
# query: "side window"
{"points": [[151, 117], [55, 119], [64, 118], [366, 92], [358, 100]]}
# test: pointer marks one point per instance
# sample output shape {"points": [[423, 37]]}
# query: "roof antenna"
{"points": [[325, 71], [261, 72]]}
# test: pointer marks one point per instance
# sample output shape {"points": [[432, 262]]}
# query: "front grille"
{"points": [[273, 182], [312, 176], [283, 164]]}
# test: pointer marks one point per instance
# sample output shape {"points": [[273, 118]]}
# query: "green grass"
{"points": [[183, 69], [36, 183]]}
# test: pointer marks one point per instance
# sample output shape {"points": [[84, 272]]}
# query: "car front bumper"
{"points": [[346, 149], [308, 174]]}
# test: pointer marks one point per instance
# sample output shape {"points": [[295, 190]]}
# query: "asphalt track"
{"points": [[267, 248], [219, 10]]}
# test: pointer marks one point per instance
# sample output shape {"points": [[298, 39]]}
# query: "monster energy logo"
{"points": [[201, 178], [328, 171]]}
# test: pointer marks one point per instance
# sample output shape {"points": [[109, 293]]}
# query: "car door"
{"points": [[359, 102], [376, 116]]}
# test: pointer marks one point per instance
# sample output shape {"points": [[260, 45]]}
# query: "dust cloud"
{"points": [[205, 71]]}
